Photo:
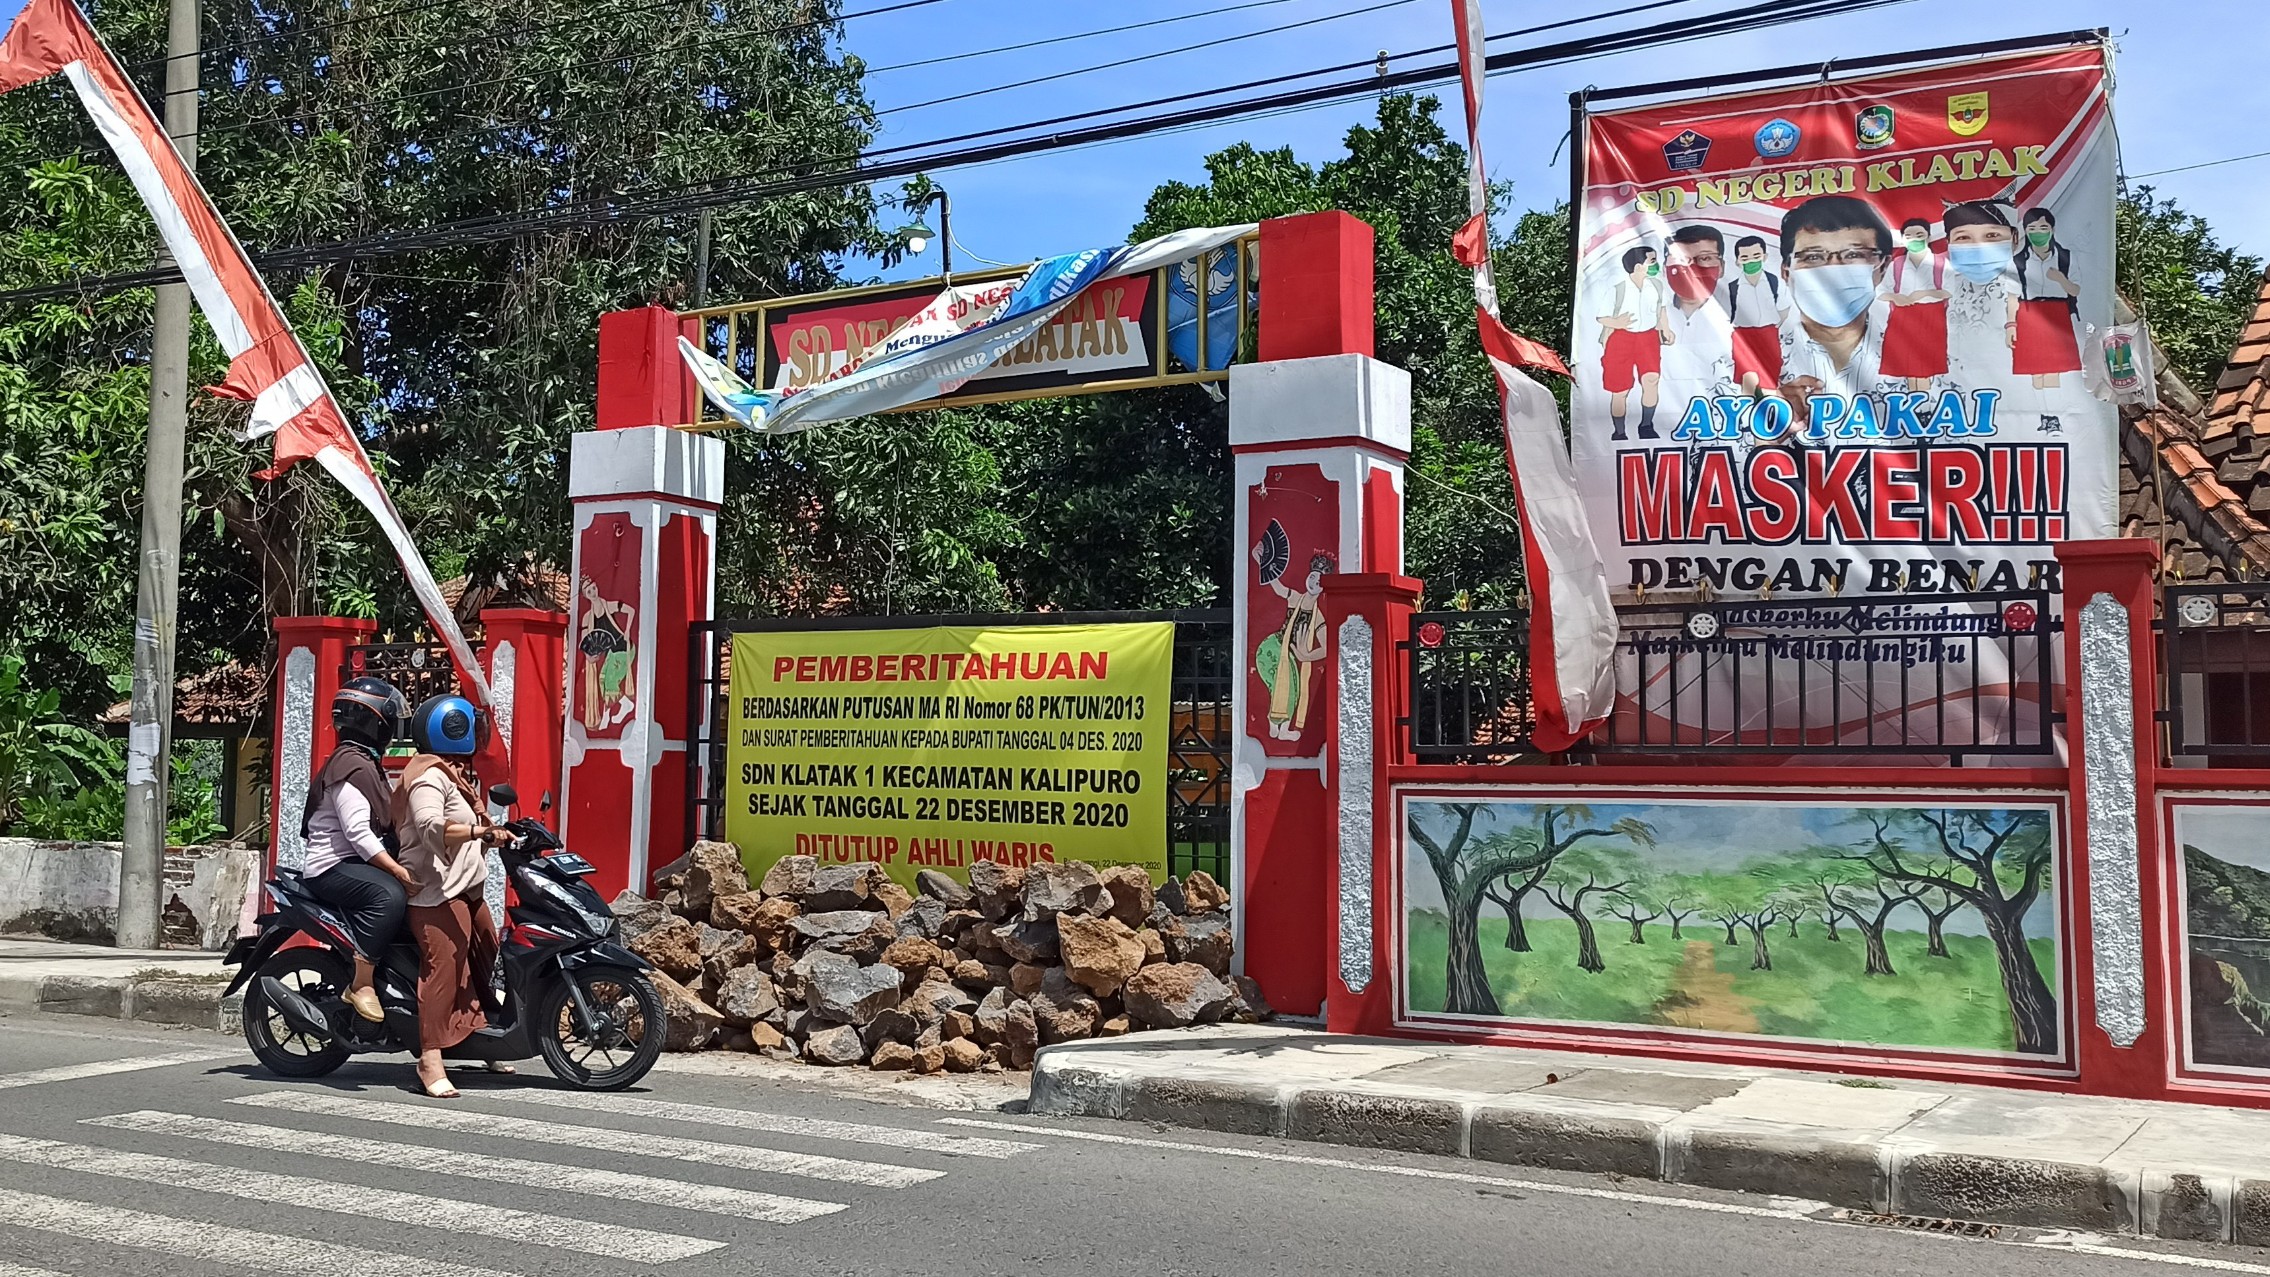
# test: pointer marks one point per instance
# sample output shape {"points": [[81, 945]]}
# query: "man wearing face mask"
{"points": [[1700, 356], [1632, 336], [1834, 252]]}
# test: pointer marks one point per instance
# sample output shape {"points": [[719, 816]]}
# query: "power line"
{"points": [[1078, 35], [2186, 168], [747, 188]]}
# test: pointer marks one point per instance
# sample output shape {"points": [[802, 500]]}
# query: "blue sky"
{"points": [[2191, 89]]}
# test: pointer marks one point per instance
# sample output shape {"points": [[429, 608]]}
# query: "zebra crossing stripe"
{"points": [[595, 1139], [772, 1123], [102, 1068], [236, 1248], [767, 1208], [614, 1241], [18, 1270]]}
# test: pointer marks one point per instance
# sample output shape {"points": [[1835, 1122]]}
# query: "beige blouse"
{"points": [[433, 800]]}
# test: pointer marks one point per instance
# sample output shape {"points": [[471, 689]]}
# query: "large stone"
{"points": [[669, 877], [958, 1024], [1203, 893], [1175, 995], [837, 988], [735, 912], [930, 1058], [688, 1022], [911, 956], [713, 869], [823, 926], [973, 975], [925, 918], [1170, 899], [1131, 894], [890, 1056], [865, 945], [1033, 942], [636, 915], [962, 1055], [1251, 1006], [996, 887], [790, 876], [1203, 938], [764, 1037], [960, 922], [935, 998], [837, 1045], [1099, 953], [1025, 978], [1063, 1010], [748, 996], [894, 1024], [1154, 946], [894, 899], [941, 887], [723, 952], [1020, 1035], [674, 947], [991, 1019], [1067, 887], [774, 924], [837, 887]]}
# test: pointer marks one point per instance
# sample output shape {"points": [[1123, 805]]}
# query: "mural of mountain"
{"points": [[2225, 899]]}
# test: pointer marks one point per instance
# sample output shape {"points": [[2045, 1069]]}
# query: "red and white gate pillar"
{"points": [[646, 495], [1319, 430], [311, 653]]}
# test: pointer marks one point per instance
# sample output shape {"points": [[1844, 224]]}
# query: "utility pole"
{"points": [[149, 737]]}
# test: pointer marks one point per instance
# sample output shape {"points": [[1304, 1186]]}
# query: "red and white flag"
{"points": [[268, 365], [1572, 623]]}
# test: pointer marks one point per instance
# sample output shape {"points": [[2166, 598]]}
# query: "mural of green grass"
{"points": [[1815, 990]]}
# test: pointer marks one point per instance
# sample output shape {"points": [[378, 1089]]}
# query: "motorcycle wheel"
{"points": [[617, 1051], [316, 974]]}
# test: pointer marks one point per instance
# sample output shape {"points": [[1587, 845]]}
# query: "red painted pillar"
{"points": [[310, 651], [646, 496], [526, 660], [1319, 432], [2122, 1013], [1370, 615]]}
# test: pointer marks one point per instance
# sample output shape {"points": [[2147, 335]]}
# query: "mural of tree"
{"points": [[1937, 904], [1509, 899], [1844, 890], [1639, 904], [1578, 876], [1681, 898], [1995, 861]]}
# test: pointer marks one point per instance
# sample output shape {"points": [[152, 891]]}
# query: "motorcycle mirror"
{"points": [[546, 805], [503, 795]]}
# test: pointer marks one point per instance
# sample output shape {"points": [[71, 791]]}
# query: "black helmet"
{"points": [[369, 711]]}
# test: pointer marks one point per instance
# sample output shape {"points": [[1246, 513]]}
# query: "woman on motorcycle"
{"points": [[349, 831], [445, 839]]}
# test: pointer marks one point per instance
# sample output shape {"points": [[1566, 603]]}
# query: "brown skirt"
{"points": [[457, 947]]}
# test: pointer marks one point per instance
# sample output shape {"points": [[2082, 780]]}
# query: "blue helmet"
{"points": [[448, 725]]}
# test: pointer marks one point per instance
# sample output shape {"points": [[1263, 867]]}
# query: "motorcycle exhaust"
{"points": [[296, 1010]]}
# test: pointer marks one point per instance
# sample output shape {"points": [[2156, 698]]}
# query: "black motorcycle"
{"points": [[573, 994]]}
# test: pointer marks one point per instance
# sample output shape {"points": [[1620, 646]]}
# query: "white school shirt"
{"points": [[1752, 303], [2035, 285], [1702, 350], [1643, 302]]}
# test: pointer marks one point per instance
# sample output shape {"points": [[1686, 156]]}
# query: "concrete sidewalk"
{"points": [[154, 986], [1985, 1154]]}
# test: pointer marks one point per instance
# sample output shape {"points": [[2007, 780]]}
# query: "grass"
{"points": [[1816, 989]]}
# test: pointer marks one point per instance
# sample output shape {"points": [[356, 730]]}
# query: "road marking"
{"points": [[1786, 1209], [707, 1115], [101, 1068], [18, 1270], [2093, 1244], [302, 1193], [590, 1138], [766, 1208], [16, 1026], [235, 1248]]}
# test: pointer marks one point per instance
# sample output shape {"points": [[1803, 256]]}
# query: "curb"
{"points": [[154, 1000], [1646, 1142]]}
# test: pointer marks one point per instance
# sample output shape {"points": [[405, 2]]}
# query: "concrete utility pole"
{"points": [[149, 738]]}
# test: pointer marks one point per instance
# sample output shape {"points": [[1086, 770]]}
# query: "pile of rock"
{"points": [[839, 965]]}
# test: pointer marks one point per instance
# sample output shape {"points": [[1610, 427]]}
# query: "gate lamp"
{"points": [[917, 237]]}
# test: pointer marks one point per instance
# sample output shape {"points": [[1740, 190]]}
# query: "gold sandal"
{"points": [[365, 1002]]}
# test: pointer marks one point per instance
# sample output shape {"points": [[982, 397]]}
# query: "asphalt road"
{"points": [[126, 1150]]}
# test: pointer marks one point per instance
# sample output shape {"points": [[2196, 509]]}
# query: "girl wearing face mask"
{"points": [[1982, 293], [2047, 305], [1915, 336]]}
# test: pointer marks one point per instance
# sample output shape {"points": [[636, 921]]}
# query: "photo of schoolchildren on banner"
{"points": [[1831, 341]]}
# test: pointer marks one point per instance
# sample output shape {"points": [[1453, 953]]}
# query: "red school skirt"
{"points": [[1915, 341], [1758, 350], [2045, 338]]}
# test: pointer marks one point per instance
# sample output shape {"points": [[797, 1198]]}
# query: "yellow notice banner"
{"points": [[937, 748]]}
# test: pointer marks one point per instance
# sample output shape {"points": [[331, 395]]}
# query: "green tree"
{"points": [[2195, 291], [42, 756]]}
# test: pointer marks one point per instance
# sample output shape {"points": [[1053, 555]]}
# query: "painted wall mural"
{"points": [[1294, 514], [1904, 926], [606, 626], [2224, 874]]}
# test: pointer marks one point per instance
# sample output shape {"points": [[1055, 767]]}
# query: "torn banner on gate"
{"points": [[966, 330]]}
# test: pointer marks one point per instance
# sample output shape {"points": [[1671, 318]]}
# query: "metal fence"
{"points": [[419, 669], [1941, 675], [2215, 642], [1198, 744]]}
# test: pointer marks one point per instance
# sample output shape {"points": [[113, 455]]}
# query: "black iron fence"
{"points": [[2215, 642], [419, 669], [1945, 675], [1199, 742]]}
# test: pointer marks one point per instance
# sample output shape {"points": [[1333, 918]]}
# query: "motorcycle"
{"points": [[572, 991]]}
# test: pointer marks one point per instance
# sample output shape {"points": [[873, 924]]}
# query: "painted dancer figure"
{"points": [[2048, 303], [1288, 658], [1754, 305], [609, 675], [1915, 335], [1632, 336]]}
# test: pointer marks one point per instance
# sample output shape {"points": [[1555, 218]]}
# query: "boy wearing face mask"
{"points": [[1632, 337], [1982, 301], [1915, 333], [1700, 353], [1834, 254], [1758, 313]]}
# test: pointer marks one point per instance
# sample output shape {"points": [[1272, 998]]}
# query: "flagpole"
{"points": [[149, 739]]}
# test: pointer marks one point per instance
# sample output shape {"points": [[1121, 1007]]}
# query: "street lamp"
{"points": [[918, 236]]}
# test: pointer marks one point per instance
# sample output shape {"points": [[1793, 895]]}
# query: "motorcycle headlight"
{"points": [[599, 923]]}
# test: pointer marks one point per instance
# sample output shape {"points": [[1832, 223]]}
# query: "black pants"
{"points": [[368, 900]]}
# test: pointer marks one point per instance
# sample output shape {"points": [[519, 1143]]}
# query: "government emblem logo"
{"points": [[1966, 114], [1872, 130], [1778, 139], [1686, 152]]}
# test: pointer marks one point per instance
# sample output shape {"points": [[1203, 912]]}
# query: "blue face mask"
{"points": [[1980, 263], [1834, 296]]}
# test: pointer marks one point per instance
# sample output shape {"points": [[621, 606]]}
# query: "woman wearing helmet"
{"points": [[349, 830], [445, 840]]}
